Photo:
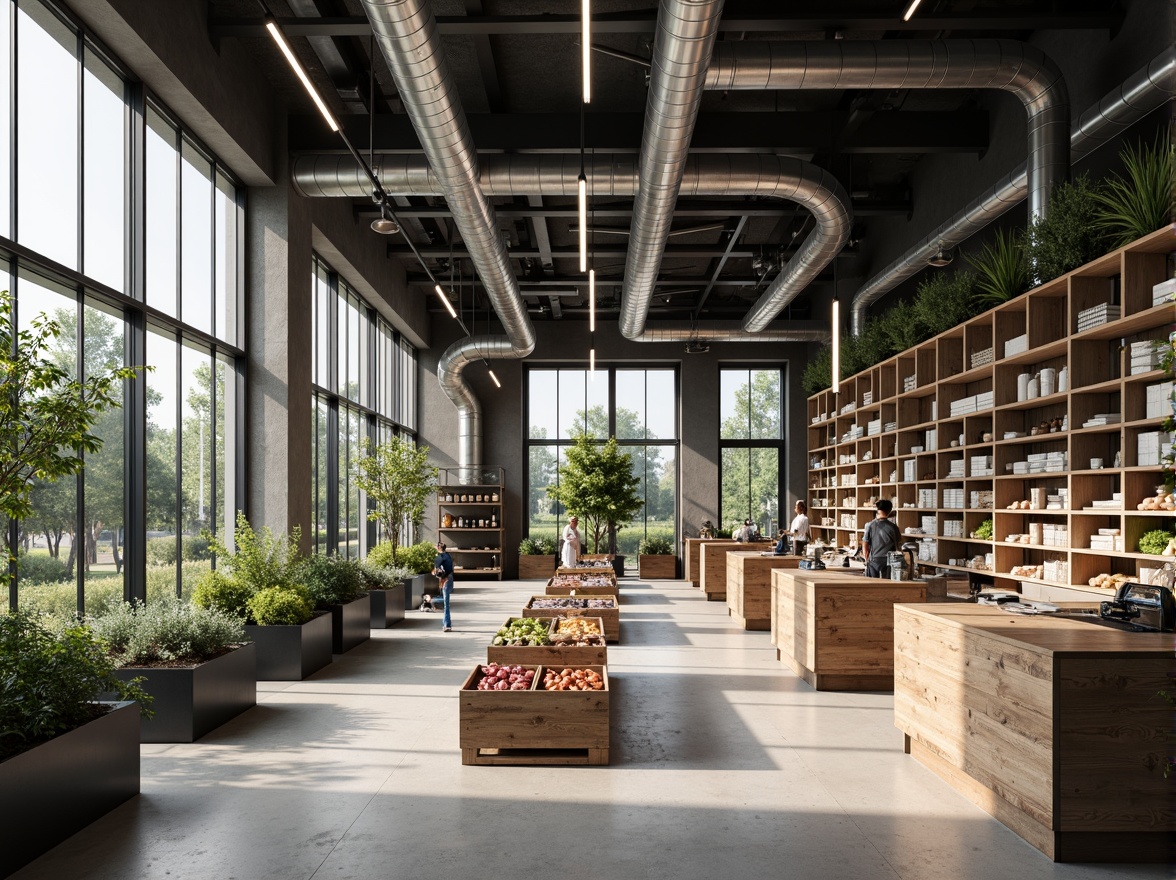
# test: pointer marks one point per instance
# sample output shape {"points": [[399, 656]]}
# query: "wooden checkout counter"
{"points": [[1054, 726]]}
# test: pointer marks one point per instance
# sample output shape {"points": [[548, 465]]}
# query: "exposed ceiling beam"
{"points": [[577, 280], [737, 18], [718, 264], [486, 63], [570, 253], [861, 208], [793, 132]]}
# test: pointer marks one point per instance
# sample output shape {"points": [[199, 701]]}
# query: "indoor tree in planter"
{"points": [[398, 480], [598, 483]]}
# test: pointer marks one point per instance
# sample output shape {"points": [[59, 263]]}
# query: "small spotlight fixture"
{"points": [[906, 16], [292, 59], [836, 322], [384, 224], [942, 257], [445, 299]]}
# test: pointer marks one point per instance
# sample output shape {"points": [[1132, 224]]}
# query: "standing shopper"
{"points": [[571, 543], [799, 529], [880, 537], [443, 569]]}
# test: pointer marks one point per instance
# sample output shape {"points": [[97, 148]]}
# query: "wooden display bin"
{"points": [[610, 617], [535, 726], [550, 655], [583, 590], [693, 556], [714, 566], [661, 566], [749, 586], [536, 567]]}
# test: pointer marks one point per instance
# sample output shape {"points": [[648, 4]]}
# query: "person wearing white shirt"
{"points": [[799, 529], [571, 543]]}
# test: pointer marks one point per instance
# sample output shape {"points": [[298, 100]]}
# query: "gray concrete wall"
{"points": [[566, 343]]}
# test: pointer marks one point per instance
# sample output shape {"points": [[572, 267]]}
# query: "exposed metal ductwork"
{"points": [[406, 32], [672, 331], [682, 46], [780, 177], [1007, 65], [1146, 90]]}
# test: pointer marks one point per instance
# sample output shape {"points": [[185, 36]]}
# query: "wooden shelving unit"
{"points": [[469, 519], [891, 432]]}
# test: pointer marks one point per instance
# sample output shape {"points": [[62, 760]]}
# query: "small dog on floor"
{"points": [[426, 603]]}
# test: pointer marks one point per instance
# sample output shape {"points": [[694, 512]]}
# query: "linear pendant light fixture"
{"points": [[445, 299], [582, 184], [586, 48], [836, 367], [272, 26], [906, 16], [495, 378], [591, 300]]}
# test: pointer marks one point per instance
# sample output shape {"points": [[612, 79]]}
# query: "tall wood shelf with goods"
{"points": [[470, 519], [1044, 415]]}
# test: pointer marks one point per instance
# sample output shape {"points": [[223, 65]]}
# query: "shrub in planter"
{"points": [[330, 580], [376, 577], [655, 547], [1069, 235], [1002, 270], [1136, 205], [281, 606], [530, 547], [216, 590], [167, 632], [51, 679]]}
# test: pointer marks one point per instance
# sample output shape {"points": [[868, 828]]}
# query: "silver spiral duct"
{"points": [[919, 64], [683, 41], [779, 177], [1146, 90], [674, 331], [407, 35]]}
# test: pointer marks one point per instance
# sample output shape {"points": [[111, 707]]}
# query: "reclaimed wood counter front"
{"points": [[749, 586], [835, 629], [1054, 726], [693, 556]]}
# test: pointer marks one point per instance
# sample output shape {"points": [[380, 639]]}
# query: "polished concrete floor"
{"points": [[724, 764]]}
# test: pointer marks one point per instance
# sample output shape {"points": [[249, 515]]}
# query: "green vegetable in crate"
{"points": [[1155, 542], [984, 530], [521, 632]]}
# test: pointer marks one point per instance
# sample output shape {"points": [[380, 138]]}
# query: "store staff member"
{"points": [[881, 537], [799, 530]]}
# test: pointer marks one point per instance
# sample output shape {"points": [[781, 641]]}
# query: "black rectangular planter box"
{"points": [[351, 624], [387, 606], [291, 653], [58, 788], [191, 701], [415, 589]]}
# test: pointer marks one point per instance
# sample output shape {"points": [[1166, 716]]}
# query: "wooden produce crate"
{"points": [[610, 617], [535, 726], [602, 570], [550, 655], [553, 589], [657, 567]]}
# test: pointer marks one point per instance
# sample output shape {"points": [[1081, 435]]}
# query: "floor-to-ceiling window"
{"points": [[126, 231], [751, 446], [639, 407], [364, 378]]}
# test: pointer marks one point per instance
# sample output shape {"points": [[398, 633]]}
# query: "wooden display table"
{"points": [[692, 556], [610, 616], [1053, 726], [749, 586], [549, 655], [835, 629], [713, 578]]}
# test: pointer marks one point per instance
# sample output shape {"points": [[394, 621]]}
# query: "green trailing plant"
{"points": [[655, 547], [597, 483], [167, 632], [49, 680], [1068, 236], [330, 580], [281, 606], [1002, 269], [398, 480], [1155, 541], [1139, 202]]}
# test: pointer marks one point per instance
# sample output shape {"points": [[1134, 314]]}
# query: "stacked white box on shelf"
{"points": [[980, 499], [1057, 571], [953, 498], [982, 358], [1096, 316], [927, 524], [985, 399], [874, 426], [909, 469], [867, 398], [890, 426], [926, 499], [1115, 502], [1163, 292], [1159, 400], [932, 440], [1058, 500], [955, 469], [908, 383], [1099, 420], [953, 528], [1152, 445], [1016, 345], [848, 481], [848, 521], [928, 551], [981, 466], [1055, 535], [1145, 357]]}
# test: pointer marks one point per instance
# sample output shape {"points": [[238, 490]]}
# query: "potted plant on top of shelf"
{"points": [[536, 558], [195, 662], [656, 559], [598, 483]]}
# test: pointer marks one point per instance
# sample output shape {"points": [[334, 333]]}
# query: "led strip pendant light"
{"points": [[445, 299], [836, 322], [906, 16], [276, 33], [582, 184], [586, 48], [591, 300]]}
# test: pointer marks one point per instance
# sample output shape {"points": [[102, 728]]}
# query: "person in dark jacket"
{"points": [[881, 537], [443, 570]]}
